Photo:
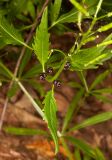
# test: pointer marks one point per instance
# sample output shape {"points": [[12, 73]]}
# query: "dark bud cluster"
{"points": [[67, 66], [49, 70], [57, 83], [43, 76]]}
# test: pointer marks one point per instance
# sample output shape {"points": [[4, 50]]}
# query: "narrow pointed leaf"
{"points": [[77, 154], [102, 98], [50, 109], [83, 146], [24, 131], [41, 41], [103, 90], [55, 9], [99, 79], [69, 17], [94, 120], [99, 154], [72, 108], [9, 34]]}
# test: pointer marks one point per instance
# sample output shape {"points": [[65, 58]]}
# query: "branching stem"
{"points": [[20, 58]]}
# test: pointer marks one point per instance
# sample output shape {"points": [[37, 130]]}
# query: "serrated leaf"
{"points": [[93, 120], [91, 57], [41, 41], [50, 109], [55, 9], [69, 17], [9, 34]]}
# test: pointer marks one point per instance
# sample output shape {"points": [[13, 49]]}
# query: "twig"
{"points": [[20, 58]]}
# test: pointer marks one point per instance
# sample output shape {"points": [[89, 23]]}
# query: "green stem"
{"points": [[58, 72], [84, 82]]}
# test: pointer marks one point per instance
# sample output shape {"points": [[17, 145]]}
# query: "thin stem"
{"points": [[84, 82], [3, 112], [20, 58], [98, 7], [58, 72]]}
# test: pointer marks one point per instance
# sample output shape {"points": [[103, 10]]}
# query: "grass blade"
{"points": [[24, 131], [71, 109], [93, 120]]}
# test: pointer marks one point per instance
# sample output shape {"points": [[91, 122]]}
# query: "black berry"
{"points": [[43, 76], [50, 70], [67, 66], [57, 83]]}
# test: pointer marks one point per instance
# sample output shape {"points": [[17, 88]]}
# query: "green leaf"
{"points": [[103, 90], [24, 131], [77, 154], [99, 155], [41, 41], [15, 7], [24, 61], [69, 17], [99, 79], [72, 108], [79, 7], [55, 10], [2, 43], [91, 57], [9, 34], [87, 157], [12, 91], [102, 98], [5, 71], [38, 87], [31, 8], [87, 149], [93, 120], [33, 71], [50, 109]]}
